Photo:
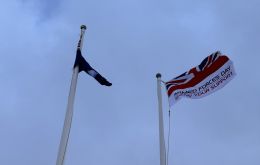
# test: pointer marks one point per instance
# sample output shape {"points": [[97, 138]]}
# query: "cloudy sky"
{"points": [[128, 42]]}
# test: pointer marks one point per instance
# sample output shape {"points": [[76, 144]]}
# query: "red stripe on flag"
{"points": [[199, 76], [176, 81]]}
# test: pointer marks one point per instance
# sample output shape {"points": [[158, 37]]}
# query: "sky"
{"points": [[128, 42]]}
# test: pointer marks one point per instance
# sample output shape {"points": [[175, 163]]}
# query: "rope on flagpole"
{"points": [[168, 140], [82, 34], [69, 113]]}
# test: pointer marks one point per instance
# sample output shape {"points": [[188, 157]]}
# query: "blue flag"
{"points": [[84, 66]]}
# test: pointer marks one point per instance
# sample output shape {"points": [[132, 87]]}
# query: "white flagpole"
{"points": [[161, 128], [69, 112]]}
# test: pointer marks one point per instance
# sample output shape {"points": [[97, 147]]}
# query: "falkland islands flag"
{"points": [[84, 66], [214, 72]]}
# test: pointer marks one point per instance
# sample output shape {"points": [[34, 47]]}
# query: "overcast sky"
{"points": [[128, 42]]}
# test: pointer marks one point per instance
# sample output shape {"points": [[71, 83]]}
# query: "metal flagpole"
{"points": [[69, 112], [161, 128]]}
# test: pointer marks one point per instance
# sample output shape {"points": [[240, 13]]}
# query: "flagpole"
{"points": [[161, 128], [69, 112]]}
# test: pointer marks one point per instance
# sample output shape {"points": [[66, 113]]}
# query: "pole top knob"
{"points": [[83, 27], [158, 75]]}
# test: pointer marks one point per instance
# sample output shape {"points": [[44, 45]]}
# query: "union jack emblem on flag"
{"points": [[211, 74]]}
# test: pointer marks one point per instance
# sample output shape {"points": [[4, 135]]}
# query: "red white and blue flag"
{"points": [[214, 72]]}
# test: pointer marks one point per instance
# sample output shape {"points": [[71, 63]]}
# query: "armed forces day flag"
{"points": [[214, 72]]}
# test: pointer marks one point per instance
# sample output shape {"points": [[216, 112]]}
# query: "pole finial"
{"points": [[83, 27], [158, 75]]}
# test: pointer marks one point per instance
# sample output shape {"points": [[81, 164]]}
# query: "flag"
{"points": [[84, 66], [214, 72]]}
